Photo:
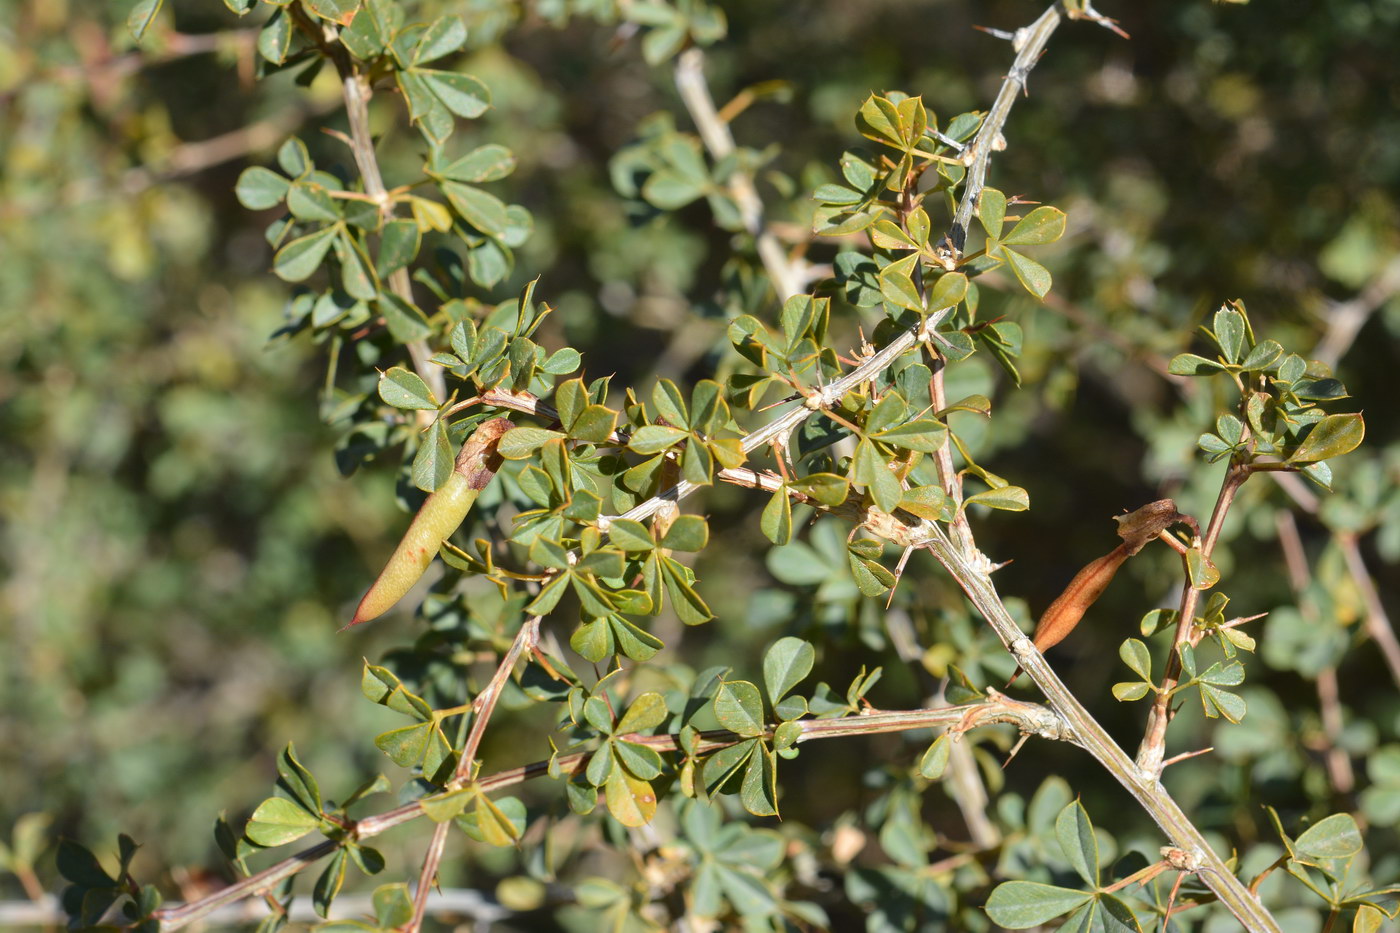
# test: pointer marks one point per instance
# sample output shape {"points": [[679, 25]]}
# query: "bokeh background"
{"points": [[179, 547]]}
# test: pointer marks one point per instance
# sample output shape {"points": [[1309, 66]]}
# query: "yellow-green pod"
{"points": [[440, 515]]}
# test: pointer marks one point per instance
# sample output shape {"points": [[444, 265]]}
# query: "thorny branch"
{"points": [[966, 569], [1029, 718], [1069, 721], [1029, 42], [959, 559], [1089, 735]]}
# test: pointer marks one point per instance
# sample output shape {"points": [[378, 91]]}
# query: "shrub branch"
{"points": [[1029, 718]]}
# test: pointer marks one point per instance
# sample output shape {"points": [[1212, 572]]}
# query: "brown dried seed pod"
{"points": [[1069, 607], [1136, 529]]}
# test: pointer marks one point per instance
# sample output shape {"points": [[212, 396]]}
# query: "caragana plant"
{"points": [[560, 518]]}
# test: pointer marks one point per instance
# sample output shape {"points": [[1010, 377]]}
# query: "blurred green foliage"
{"points": [[178, 547]]}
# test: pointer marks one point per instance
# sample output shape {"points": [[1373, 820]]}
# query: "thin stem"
{"points": [[1378, 624], [33, 887], [1339, 769], [1141, 876], [356, 92], [1329, 704], [786, 274], [1030, 718], [1152, 751], [968, 790], [427, 875], [1054, 301], [1345, 319], [793, 417], [525, 641], [948, 477], [485, 706], [1377, 621], [1187, 755], [1259, 878], [175, 917], [173, 46], [48, 914]]}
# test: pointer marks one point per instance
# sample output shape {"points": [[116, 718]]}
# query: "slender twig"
{"points": [[1378, 623], [1345, 319], [1087, 733], [185, 159], [1339, 769], [483, 706], [948, 477], [1329, 704], [1141, 876], [787, 274], [789, 420], [969, 791], [176, 916], [1152, 751], [1029, 43], [1281, 861], [1185, 756], [970, 794], [1298, 491], [1030, 718], [1054, 301], [101, 73], [356, 92], [480, 906]]}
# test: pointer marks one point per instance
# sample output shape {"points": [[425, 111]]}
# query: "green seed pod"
{"points": [[440, 515]]}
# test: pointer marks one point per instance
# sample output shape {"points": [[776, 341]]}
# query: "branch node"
{"points": [[1180, 859], [822, 397], [983, 564]]}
